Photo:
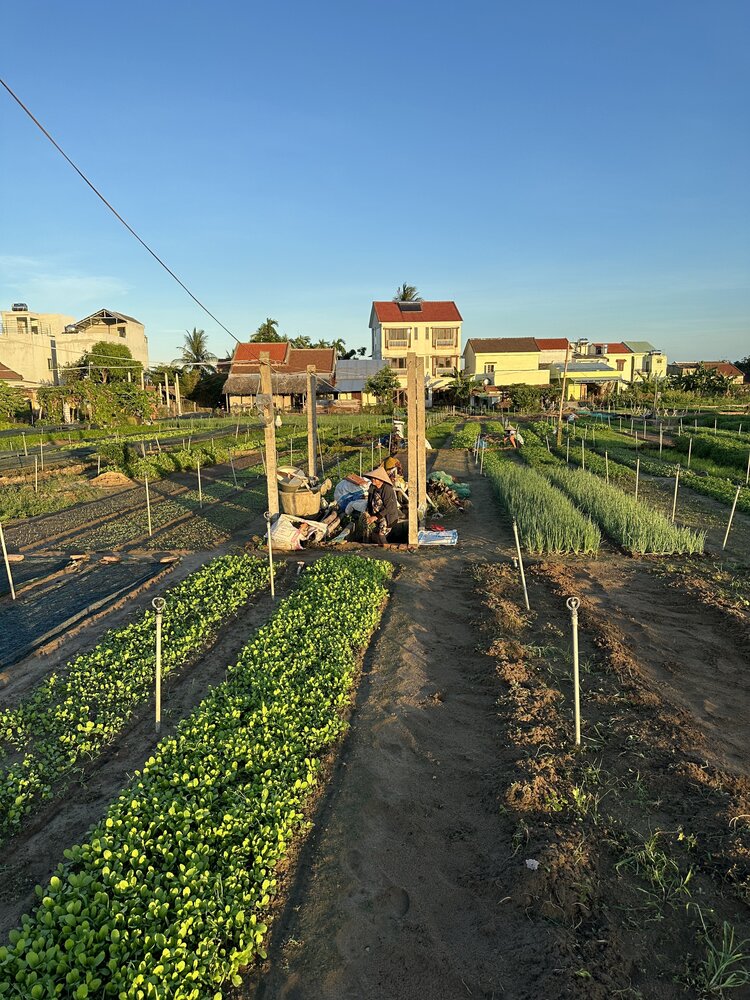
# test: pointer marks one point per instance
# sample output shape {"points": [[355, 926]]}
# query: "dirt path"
{"points": [[405, 889]]}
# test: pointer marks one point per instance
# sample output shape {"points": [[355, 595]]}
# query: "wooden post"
{"points": [[421, 445], [143, 384], [690, 451], [269, 431], [312, 420], [413, 473], [166, 394], [637, 475], [606, 466], [177, 396], [676, 487], [200, 487], [36, 474]]}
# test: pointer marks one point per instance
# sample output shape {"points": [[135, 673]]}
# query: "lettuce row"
{"points": [[69, 717], [169, 896]]}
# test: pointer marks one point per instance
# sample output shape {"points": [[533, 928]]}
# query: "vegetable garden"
{"points": [[172, 888]]}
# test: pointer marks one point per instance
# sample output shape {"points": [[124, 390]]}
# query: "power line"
{"points": [[130, 229]]}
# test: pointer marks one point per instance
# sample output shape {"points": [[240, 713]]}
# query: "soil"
{"points": [[450, 855], [462, 846]]}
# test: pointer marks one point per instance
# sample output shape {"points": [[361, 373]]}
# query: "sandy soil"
{"points": [[413, 883], [406, 888]]}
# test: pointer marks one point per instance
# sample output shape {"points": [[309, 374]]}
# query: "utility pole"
{"points": [[562, 397], [422, 452], [312, 420], [413, 444], [269, 432]]}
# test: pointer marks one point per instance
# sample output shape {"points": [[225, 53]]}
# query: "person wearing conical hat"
{"points": [[382, 511]]}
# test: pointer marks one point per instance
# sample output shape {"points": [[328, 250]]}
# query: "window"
{"points": [[444, 336], [121, 331], [489, 369], [397, 362], [599, 350], [397, 338], [49, 363], [22, 324], [621, 365]]}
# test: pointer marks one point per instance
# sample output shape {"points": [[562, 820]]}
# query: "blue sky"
{"points": [[558, 169]]}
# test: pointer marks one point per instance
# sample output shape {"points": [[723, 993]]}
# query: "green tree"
{"points": [[12, 401], [461, 387], [407, 293], [267, 333], [104, 362], [744, 365], [195, 352], [383, 384]]}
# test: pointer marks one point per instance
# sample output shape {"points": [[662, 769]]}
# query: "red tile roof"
{"points": [[552, 343], [503, 345], [428, 312], [285, 360], [9, 374], [614, 348], [724, 368], [324, 359], [251, 352]]}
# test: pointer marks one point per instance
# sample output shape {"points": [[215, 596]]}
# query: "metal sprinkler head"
{"points": [[158, 604], [573, 604]]}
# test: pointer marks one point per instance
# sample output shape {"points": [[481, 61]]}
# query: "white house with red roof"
{"points": [[431, 330]]}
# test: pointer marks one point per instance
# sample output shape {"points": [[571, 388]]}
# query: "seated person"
{"points": [[383, 510]]}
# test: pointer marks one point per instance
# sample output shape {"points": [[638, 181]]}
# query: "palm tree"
{"points": [[407, 293], [195, 352], [267, 333]]}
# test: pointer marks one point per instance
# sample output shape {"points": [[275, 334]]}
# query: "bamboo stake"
{"points": [[637, 475], [731, 518], [690, 451], [573, 604], [200, 488], [36, 474], [606, 466], [158, 606], [676, 486], [148, 509], [520, 565]]}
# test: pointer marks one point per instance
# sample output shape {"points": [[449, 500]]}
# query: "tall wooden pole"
{"points": [[413, 442], [177, 396], [312, 420], [421, 432], [269, 431], [166, 395], [562, 397]]}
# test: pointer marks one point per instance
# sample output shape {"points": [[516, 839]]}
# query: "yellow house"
{"points": [[504, 361], [635, 360], [431, 330]]}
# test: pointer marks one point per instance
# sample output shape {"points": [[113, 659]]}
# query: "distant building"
{"points": [[593, 369], [351, 375], [39, 345], [288, 374], [431, 330], [505, 361], [725, 368]]}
